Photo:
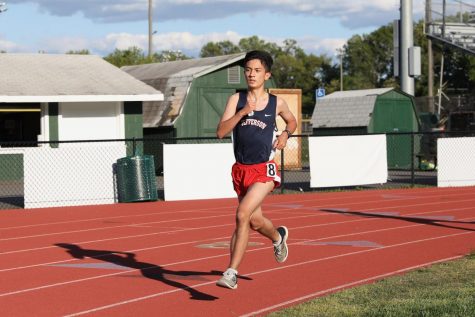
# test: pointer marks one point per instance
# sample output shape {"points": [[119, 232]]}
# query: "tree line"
{"points": [[366, 60]]}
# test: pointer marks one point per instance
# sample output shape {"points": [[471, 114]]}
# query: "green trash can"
{"points": [[135, 177]]}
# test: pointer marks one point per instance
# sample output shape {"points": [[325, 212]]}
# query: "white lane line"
{"points": [[111, 227], [116, 217]]}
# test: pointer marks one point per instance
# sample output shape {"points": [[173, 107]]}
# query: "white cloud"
{"points": [[185, 41], [9, 46], [121, 41], [63, 44], [321, 46]]}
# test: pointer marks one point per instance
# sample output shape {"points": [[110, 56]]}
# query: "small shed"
{"points": [[382, 110]]}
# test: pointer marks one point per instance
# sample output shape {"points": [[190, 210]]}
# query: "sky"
{"points": [[101, 26]]}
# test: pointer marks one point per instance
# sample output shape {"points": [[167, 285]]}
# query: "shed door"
{"points": [[211, 104], [393, 116], [396, 116]]}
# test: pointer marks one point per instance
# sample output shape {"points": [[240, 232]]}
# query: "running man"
{"points": [[251, 117]]}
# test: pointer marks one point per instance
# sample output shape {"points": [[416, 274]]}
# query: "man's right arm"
{"points": [[230, 117]]}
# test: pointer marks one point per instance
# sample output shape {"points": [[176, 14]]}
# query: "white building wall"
{"points": [[91, 121]]}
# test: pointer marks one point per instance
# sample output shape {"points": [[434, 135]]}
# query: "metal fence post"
{"points": [[412, 160], [133, 146], [282, 171]]}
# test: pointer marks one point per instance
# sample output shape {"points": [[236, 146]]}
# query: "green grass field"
{"points": [[445, 289]]}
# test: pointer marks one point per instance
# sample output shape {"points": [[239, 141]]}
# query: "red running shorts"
{"points": [[246, 175]]}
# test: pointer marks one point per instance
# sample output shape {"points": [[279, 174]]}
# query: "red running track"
{"points": [[163, 258]]}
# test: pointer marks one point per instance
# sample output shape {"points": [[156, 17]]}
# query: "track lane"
{"points": [[132, 291]]}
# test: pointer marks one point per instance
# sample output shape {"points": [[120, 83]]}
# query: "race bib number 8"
{"points": [[271, 170]]}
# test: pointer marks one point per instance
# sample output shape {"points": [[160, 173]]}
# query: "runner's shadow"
{"points": [[425, 221], [148, 270]]}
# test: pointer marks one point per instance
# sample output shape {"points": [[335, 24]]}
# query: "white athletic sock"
{"points": [[230, 271]]}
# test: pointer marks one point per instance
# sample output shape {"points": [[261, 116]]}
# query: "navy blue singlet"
{"points": [[254, 135]]}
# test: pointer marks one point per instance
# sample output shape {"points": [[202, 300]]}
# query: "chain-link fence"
{"points": [[35, 174], [449, 104], [84, 170]]}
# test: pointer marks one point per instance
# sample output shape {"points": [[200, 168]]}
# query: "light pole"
{"points": [[406, 41], [150, 32]]}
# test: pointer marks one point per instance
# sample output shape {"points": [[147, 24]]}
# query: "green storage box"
{"points": [[135, 177]]}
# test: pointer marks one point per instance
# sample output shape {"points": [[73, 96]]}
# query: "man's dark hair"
{"points": [[263, 56]]}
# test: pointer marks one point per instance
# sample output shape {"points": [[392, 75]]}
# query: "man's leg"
{"points": [[263, 225], [278, 236], [248, 204], [259, 223]]}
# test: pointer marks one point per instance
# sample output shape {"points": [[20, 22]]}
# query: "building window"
{"points": [[234, 75], [19, 122]]}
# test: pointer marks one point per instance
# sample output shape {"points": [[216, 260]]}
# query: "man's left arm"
{"points": [[290, 124]]}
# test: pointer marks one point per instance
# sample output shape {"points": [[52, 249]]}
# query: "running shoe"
{"points": [[281, 251], [228, 280]]}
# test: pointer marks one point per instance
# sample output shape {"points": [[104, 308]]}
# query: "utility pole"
{"points": [[150, 28], [430, 60], [441, 81], [340, 54]]}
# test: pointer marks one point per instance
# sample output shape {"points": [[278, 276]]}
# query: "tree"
{"points": [[368, 59], [169, 56], [79, 52], [211, 49], [136, 56], [130, 56], [293, 68], [255, 43]]}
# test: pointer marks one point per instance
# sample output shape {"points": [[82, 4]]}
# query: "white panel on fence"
{"points": [[455, 162], [347, 160], [70, 176], [197, 171]]}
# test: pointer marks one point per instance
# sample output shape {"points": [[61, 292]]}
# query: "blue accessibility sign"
{"points": [[320, 92]]}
